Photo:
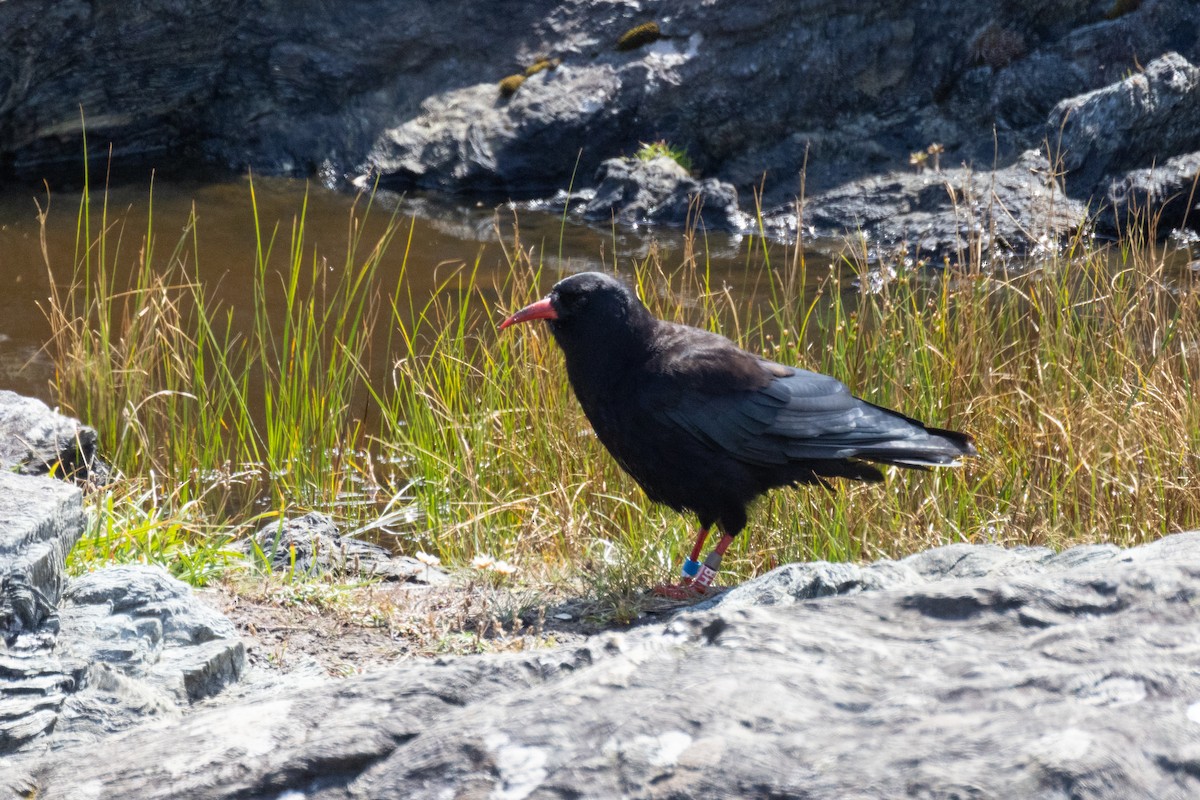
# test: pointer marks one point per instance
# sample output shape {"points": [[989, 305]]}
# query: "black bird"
{"points": [[705, 426]]}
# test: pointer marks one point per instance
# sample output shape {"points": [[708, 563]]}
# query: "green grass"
{"points": [[1076, 378], [201, 419], [663, 149]]}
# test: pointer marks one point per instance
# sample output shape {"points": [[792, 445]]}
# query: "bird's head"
{"points": [[587, 312]]}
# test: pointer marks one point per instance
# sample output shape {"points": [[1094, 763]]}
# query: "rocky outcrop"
{"points": [[758, 94], [84, 658], [964, 671], [630, 191], [37, 441], [1135, 144]]}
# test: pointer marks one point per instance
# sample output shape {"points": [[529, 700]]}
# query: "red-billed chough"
{"points": [[704, 426]]}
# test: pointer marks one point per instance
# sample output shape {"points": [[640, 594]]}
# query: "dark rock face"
{"points": [[966, 671], [841, 90]]}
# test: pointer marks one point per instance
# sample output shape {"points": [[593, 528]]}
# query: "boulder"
{"points": [[1134, 146], [955, 213], [1162, 197], [130, 644], [631, 191], [966, 671], [313, 545], [474, 138], [147, 625], [1150, 116], [37, 441]]}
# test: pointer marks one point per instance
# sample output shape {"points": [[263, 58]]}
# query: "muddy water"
{"points": [[446, 236]]}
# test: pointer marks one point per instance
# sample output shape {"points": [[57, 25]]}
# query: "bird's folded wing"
{"points": [[731, 424], [799, 416]]}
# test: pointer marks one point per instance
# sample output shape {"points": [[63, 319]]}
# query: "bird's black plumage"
{"points": [[705, 426]]}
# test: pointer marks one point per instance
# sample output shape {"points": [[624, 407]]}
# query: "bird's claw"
{"points": [[688, 590]]}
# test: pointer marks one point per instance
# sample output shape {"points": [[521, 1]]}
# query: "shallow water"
{"points": [[447, 235]]}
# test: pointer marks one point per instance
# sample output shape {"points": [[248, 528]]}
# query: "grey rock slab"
{"points": [[315, 738], [982, 673], [40, 521]]}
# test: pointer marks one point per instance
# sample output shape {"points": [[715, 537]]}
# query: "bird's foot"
{"points": [[687, 590], [697, 577]]}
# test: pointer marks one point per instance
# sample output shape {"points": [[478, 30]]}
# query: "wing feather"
{"points": [[800, 416]]}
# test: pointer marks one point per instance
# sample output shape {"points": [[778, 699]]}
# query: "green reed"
{"points": [[1076, 377], [215, 417]]}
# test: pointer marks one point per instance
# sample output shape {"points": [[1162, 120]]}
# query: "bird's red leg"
{"points": [[691, 567], [708, 570]]}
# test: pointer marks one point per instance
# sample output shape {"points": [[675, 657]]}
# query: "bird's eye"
{"points": [[572, 300]]}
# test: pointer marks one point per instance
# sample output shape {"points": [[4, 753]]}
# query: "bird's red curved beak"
{"points": [[542, 309]]}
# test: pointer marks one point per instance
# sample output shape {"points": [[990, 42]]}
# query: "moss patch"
{"points": [[639, 35], [509, 86], [542, 64]]}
